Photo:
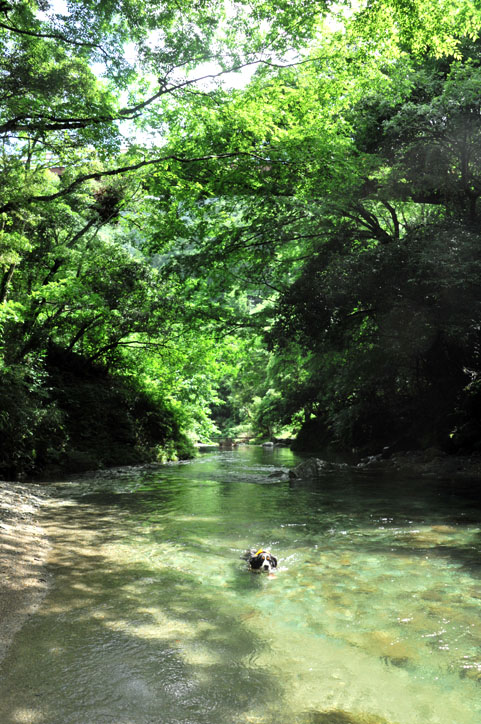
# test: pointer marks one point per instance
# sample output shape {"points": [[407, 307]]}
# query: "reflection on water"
{"points": [[373, 616]]}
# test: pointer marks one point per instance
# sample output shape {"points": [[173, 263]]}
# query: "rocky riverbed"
{"points": [[23, 552]]}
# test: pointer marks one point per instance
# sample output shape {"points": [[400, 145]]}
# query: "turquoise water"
{"points": [[372, 617]]}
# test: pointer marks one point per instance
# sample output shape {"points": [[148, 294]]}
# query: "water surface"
{"points": [[372, 617]]}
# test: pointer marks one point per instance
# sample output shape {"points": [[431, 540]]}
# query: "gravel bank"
{"points": [[23, 552]]}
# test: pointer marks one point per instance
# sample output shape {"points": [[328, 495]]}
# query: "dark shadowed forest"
{"points": [[256, 219]]}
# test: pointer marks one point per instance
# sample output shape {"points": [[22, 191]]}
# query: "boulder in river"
{"points": [[313, 468]]}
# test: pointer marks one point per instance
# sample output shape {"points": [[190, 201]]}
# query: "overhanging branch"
{"points": [[43, 122], [134, 167]]}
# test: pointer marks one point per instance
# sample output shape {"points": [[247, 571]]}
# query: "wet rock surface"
{"points": [[315, 468]]}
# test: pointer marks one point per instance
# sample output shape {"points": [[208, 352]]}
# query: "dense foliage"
{"points": [[182, 257]]}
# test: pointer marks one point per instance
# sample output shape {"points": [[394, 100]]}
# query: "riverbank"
{"points": [[24, 547]]}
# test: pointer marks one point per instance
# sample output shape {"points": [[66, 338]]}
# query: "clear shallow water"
{"points": [[373, 616]]}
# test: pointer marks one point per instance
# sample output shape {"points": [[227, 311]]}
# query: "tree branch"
{"points": [[394, 218], [53, 36], [134, 167]]}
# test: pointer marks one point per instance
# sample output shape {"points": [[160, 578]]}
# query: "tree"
{"points": [[354, 256], [185, 222]]}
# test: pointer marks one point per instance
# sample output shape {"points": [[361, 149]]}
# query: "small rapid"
{"points": [[372, 618]]}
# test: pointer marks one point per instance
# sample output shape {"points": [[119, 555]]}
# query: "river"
{"points": [[373, 616]]}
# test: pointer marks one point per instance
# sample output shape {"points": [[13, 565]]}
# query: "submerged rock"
{"points": [[385, 645], [471, 669], [338, 716]]}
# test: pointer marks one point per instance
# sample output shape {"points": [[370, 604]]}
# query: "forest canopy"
{"points": [[250, 219]]}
